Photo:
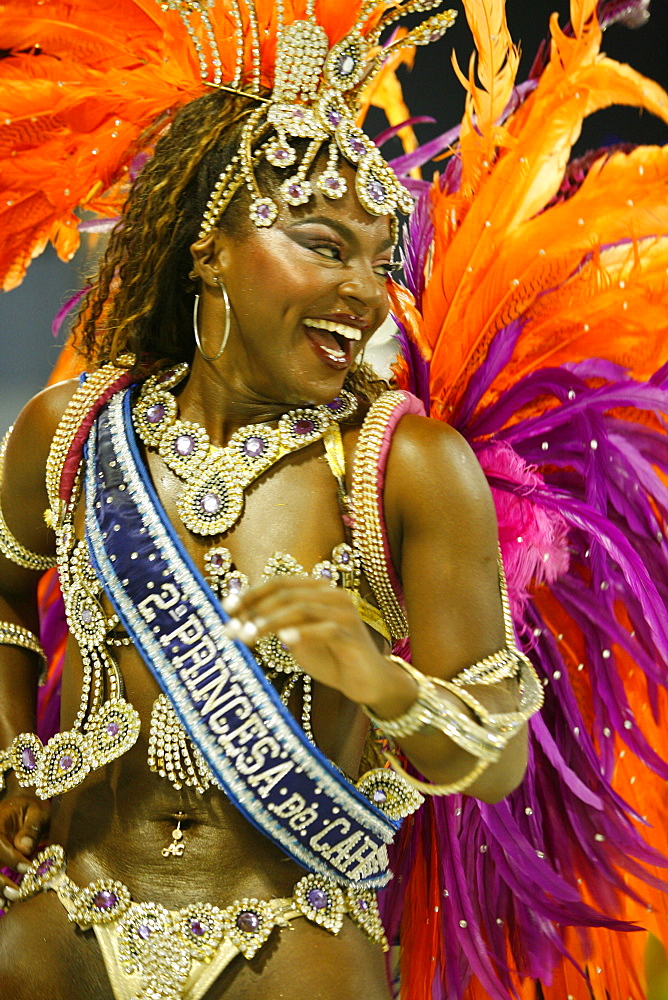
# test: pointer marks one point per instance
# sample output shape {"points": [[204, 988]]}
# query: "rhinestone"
{"points": [[144, 932], [86, 616], [105, 899], [376, 190], [357, 145], [318, 899], [184, 444], [254, 446], [210, 503], [303, 426], [66, 762], [380, 795], [28, 758], [362, 905], [346, 65], [155, 413], [198, 928], [334, 117], [113, 729], [45, 866], [248, 922]]}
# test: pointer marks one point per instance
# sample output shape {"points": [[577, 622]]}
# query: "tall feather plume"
{"points": [[539, 304]]}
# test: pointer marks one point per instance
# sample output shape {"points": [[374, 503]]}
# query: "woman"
{"points": [[288, 283]]}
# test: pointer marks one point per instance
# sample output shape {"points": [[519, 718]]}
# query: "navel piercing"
{"points": [[177, 847]]}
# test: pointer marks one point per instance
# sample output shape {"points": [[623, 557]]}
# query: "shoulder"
{"points": [[36, 425], [433, 476]]}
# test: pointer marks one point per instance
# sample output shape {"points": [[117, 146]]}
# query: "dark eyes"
{"points": [[333, 251]]}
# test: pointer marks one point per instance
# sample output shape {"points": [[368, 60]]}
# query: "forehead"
{"points": [[346, 215]]}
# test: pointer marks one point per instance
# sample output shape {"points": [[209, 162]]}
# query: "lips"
{"points": [[333, 349]]}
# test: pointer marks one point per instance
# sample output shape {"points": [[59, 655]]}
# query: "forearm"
{"points": [[19, 674], [440, 759]]}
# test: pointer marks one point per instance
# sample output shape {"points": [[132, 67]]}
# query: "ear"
{"points": [[210, 255]]}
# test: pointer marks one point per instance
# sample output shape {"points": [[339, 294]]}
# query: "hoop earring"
{"points": [[359, 361], [228, 323]]}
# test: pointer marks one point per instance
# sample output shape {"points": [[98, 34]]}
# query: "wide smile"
{"points": [[332, 341]]}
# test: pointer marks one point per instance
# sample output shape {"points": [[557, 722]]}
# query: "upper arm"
{"points": [[443, 535], [23, 496]]}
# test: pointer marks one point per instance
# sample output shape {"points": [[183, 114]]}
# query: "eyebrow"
{"points": [[340, 228]]}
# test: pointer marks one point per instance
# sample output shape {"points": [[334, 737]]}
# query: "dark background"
{"points": [[27, 350]]}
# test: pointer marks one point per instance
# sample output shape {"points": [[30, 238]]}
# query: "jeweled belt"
{"points": [[146, 934]]}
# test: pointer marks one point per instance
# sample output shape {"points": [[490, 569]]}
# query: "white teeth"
{"points": [[350, 332], [334, 355]]}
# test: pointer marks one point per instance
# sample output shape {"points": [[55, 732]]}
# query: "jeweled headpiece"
{"points": [[316, 96], [76, 102]]}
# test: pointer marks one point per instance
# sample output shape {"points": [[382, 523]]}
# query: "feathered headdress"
{"points": [[76, 103]]}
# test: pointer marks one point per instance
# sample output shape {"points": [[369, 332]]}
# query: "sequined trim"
{"points": [[367, 529]]}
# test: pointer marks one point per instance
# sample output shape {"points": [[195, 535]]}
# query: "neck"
{"points": [[223, 403]]}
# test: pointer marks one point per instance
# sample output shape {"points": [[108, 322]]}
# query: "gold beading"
{"points": [[9, 545]]}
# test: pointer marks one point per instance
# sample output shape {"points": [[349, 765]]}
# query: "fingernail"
{"points": [[11, 893], [26, 844], [233, 628], [289, 636], [248, 631], [231, 603], [22, 867]]}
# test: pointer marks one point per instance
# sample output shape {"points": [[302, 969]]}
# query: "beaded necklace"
{"points": [[217, 477]]}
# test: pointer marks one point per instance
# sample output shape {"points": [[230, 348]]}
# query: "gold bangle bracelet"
{"points": [[10, 546], [17, 635], [427, 788]]}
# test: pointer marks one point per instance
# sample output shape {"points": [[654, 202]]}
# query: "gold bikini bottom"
{"points": [[152, 953]]}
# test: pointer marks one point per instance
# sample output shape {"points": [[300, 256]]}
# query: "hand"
{"points": [[24, 820], [321, 628]]}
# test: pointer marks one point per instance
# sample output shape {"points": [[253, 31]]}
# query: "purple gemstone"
{"points": [[216, 561], [248, 922], [281, 154], [345, 557], [303, 426], [86, 616], [298, 114], [155, 413], [346, 64], [362, 905], [210, 503], [326, 573], [66, 762], [334, 117], [198, 928], [357, 145], [165, 377], [263, 211], [28, 758], [144, 932], [105, 899], [335, 405], [254, 446], [318, 899], [184, 444], [376, 190], [113, 729], [295, 191], [379, 795], [45, 866], [234, 585], [332, 183]]}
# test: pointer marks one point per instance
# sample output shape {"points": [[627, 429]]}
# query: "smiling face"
{"points": [[306, 295]]}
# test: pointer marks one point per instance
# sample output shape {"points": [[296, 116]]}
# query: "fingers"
{"points": [[34, 821], [288, 604]]}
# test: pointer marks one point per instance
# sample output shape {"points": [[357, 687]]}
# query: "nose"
{"points": [[361, 285]]}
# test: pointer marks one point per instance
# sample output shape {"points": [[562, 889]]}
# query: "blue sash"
{"points": [[259, 754]]}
